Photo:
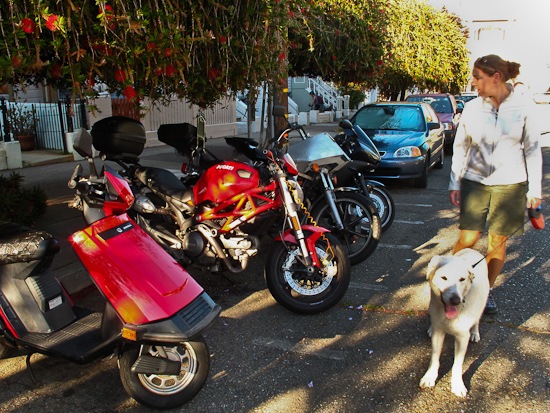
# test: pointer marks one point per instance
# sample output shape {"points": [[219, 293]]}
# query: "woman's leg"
{"points": [[466, 239], [496, 255]]}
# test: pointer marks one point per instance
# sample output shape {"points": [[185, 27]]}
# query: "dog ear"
{"points": [[434, 264]]}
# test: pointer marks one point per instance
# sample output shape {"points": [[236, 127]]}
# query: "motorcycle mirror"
{"points": [[83, 143], [345, 124]]}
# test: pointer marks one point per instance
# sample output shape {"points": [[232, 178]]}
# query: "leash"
{"points": [[502, 243]]}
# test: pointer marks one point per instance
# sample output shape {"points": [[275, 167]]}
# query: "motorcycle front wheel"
{"points": [[383, 201], [303, 292], [362, 227], [167, 391]]}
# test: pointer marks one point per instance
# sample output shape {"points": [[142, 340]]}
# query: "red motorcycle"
{"points": [[154, 311], [216, 224]]}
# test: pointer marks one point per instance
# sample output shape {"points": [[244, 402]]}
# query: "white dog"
{"points": [[459, 289]]}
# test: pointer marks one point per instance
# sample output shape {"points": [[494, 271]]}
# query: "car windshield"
{"points": [[390, 117], [440, 104]]}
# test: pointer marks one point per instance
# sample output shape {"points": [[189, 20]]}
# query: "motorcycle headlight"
{"points": [[297, 192]]}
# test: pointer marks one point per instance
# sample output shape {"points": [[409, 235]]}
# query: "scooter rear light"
{"points": [[129, 334], [184, 167]]}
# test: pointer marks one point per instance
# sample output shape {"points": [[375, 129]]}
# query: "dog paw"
{"points": [[475, 337], [459, 389], [428, 380]]}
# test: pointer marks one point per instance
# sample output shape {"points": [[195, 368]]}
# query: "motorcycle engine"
{"points": [[193, 244]]}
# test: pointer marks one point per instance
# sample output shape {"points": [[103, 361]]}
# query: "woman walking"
{"points": [[496, 167]]}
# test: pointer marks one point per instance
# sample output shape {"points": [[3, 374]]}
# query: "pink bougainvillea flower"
{"points": [[223, 39], [150, 46], [168, 52], [56, 72], [129, 93], [16, 61], [379, 62], [27, 25], [282, 56], [213, 73], [120, 75], [170, 70], [159, 71], [52, 22]]}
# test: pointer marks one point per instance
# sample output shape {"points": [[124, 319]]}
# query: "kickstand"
{"points": [[29, 369]]}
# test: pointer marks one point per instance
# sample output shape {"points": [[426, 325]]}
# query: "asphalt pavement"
{"points": [[367, 354]]}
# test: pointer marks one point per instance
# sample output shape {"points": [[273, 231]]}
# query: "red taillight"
{"points": [[290, 165], [184, 167]]}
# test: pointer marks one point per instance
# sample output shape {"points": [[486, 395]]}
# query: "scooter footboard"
{"points": [[142, 281]]}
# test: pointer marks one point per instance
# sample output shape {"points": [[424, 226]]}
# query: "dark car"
{"points": [[409, 137], [447, 110]]}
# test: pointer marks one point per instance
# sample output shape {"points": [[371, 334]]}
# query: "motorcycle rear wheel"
{"points": [[362, 226], [304, 293], [167, 391]]}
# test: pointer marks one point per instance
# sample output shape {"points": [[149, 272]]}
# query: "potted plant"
{"points": [[22, 122]]}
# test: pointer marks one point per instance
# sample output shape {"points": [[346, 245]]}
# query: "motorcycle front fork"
{"points": [[331, 198]]}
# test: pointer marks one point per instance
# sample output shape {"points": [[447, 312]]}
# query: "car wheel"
{"points": [[422, 182]]}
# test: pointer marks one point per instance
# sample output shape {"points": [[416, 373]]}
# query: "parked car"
{"points": [[409, 137], [467, 96], [447, 110]]}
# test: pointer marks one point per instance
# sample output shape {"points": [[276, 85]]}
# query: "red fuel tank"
{"points": [[225, 180]]}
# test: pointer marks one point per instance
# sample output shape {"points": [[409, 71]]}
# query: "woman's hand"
{"points": [[454, 196], [533, 202]]}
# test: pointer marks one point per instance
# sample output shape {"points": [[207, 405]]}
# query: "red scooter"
{"points": [[154, 310]]}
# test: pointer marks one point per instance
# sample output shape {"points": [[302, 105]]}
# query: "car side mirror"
{"points": [[433, 125]]}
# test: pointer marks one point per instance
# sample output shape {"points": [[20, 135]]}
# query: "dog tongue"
{"points": [[451, 311]]}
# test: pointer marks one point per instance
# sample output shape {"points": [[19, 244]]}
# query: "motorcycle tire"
{"points": [[297, 290], [165, 391], [384, 204], [362, 224]]}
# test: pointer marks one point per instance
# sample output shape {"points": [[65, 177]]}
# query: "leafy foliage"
{"points": [[427, 49], [20, 205], [201, 50]]}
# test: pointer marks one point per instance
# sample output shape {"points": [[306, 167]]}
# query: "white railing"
{"points": [[328, 91]]}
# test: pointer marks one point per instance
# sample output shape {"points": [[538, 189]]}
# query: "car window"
{"points": [[431, 116], [390, 117], [440, 104]]}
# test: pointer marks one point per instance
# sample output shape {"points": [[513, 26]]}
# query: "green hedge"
{"points": [[20, 205]]}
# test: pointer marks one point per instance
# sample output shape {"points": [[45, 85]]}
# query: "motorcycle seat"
{"points": [[22, 244], [164, 182]]}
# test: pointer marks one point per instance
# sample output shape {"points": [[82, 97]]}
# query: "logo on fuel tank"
{"points": [[226, 167]]}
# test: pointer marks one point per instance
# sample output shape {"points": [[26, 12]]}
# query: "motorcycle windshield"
{"points": [[367, 144], [320, 149]]}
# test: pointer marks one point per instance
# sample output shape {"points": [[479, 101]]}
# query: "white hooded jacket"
{"points": [[498, 147]]}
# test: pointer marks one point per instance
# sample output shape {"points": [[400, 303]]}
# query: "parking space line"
{"points": [[409, 222], [373, 287], [313, 347], [395, 246], [416, 205]]}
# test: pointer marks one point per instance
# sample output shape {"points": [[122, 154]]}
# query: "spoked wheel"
{"points": [[383, 201], [362, 227], [303, 291], [167, 391]]}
